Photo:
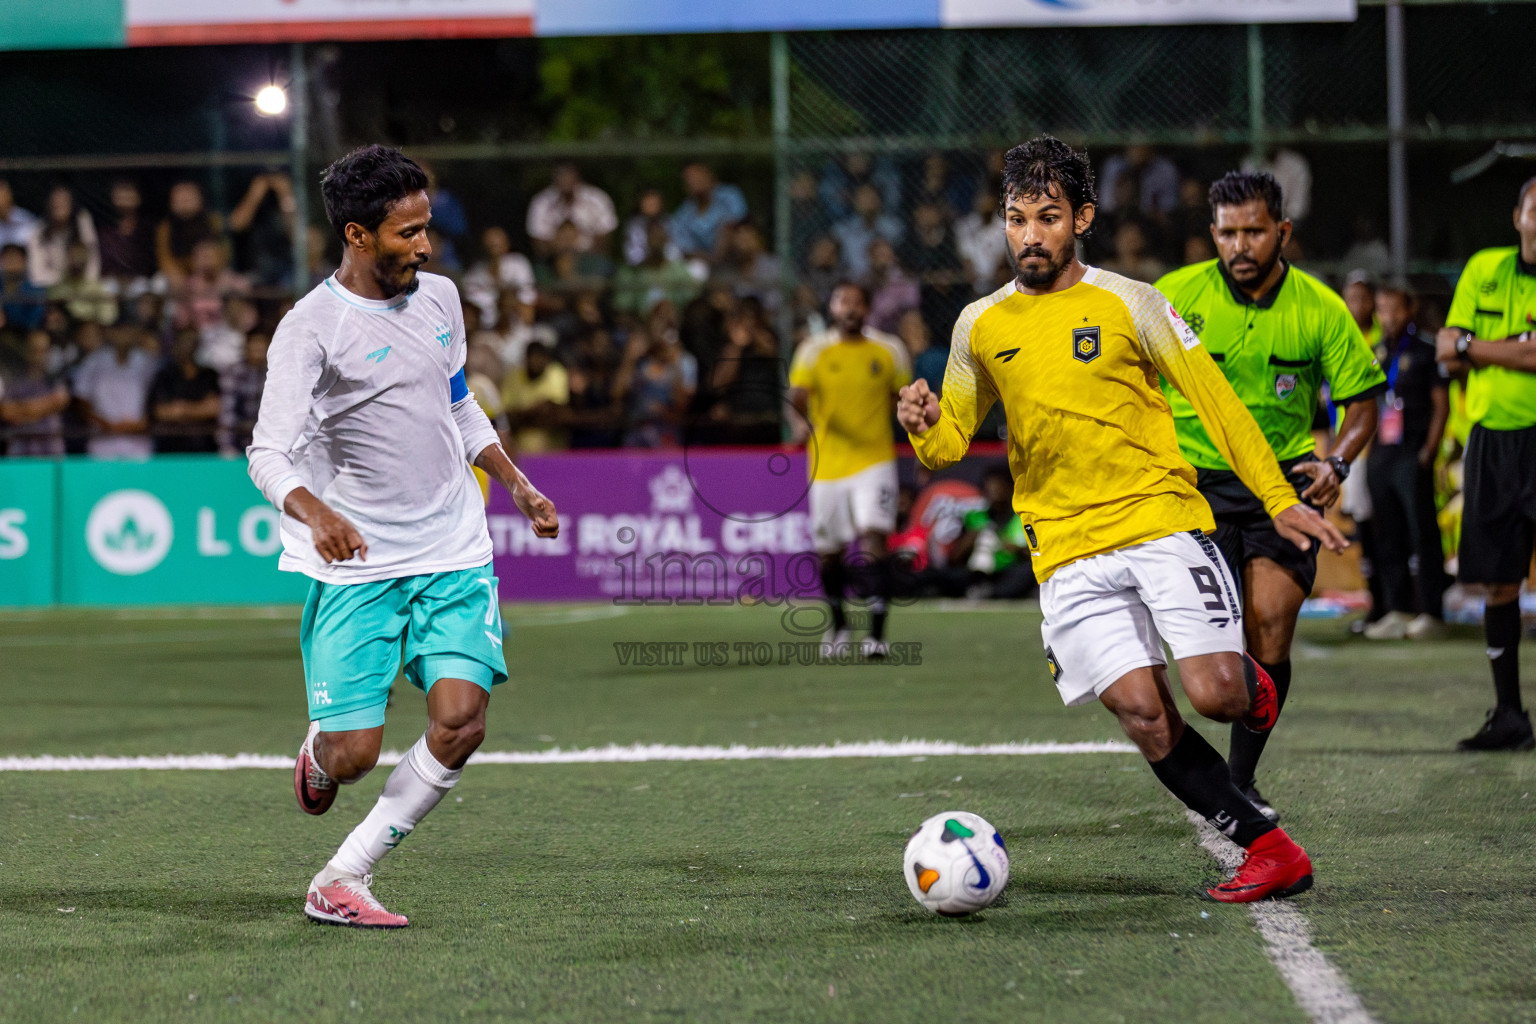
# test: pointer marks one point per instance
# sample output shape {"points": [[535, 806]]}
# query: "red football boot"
{"points": [[315, 789], [1263, 701], [1274, 869]]}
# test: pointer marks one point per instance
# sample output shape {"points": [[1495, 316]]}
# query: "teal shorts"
{"points": [[442, 625]]}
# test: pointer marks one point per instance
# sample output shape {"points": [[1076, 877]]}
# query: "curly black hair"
{"points": [[1044, 166], [361, 187], [1238, 187]]}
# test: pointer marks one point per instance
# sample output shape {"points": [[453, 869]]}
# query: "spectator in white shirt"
{"points": [[221, 346], [501, 269], [650, 211], [16, 224], [980, 241], [113, 383], [571, 199], [515, 329], [48, 250]]}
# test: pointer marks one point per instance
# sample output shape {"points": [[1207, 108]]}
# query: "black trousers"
{"points": [[1403, 496]]}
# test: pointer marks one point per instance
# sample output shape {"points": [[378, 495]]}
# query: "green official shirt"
{"points": [[1496, 299], [1276, 353]]}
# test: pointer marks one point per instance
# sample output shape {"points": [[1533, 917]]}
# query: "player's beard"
{"points": [[1045, 276], [398, 277]]}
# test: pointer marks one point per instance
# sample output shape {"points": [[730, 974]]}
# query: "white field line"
{"points": [[1320, 990], [611, 754]]}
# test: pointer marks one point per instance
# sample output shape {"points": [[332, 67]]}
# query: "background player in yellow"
{"points": [[1110, 509], [844, 381], [1488, 334]]}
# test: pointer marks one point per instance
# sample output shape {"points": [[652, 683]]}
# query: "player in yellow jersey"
{"points": [[844, 381], [1110, 510]]}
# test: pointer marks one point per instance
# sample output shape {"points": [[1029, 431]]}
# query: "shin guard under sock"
{"points": [[1247, 745], [1195, 773], [1501, 623], [413, 788]]}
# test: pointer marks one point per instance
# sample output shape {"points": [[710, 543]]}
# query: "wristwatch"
{"points": [[1340, 467], [1462, 344]]}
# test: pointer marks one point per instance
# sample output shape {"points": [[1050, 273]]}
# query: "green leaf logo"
{"points": [[129, 532]]}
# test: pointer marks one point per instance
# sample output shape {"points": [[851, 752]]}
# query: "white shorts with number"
{"points": [[1112, 613], [842, 509]]}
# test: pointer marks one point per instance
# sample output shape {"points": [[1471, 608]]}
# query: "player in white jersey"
{"points": [[364, 441]]}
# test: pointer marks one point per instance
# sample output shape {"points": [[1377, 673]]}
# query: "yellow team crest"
{"points": [[1085, 344]]}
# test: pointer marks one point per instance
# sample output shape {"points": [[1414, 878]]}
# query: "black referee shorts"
{"points": [[1244, 530], [1498, 516]]}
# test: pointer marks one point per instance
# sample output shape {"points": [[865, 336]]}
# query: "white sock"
{"points": [[412, 789]]}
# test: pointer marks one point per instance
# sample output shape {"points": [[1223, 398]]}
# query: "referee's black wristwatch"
{"points": [[1340, 467]]}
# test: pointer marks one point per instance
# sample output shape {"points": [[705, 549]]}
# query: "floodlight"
{"points": [[271, 101]]}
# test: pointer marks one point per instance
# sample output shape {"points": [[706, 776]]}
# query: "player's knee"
{"points": [[349, 762], [1218, 690], [1502, 593], [461, 737], [1226, 702], [1145, 723]]}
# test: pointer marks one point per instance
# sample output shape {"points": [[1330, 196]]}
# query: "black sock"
{"points": [[1501, 622], [880, 601], [1247, 745], [1195, 773], [834, 579]]}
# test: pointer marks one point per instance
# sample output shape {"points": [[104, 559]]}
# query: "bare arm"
{"points": [[1517, 356], [335, 538], [241, 216], [1358, 428], [30, 410], [539, 509]]}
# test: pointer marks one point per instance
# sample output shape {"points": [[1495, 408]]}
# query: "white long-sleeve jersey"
{"points": [[365, 405]]}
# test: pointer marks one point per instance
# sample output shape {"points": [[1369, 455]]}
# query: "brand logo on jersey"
{"points": [[129, 532], [1195, 321], [443, 333], [1007, 354], [1285, 383], [378, 355], [1085, 344], [1489, 287]]}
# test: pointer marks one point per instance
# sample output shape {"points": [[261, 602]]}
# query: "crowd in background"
{"points": [[137, 334], [134, 333]]}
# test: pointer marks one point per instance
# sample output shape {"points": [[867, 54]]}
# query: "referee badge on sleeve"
{"points": [[1085, 344]]}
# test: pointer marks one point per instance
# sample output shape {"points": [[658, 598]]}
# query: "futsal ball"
{"points": [[956, 863]]}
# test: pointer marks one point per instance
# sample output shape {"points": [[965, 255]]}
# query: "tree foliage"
{"points": [[655, 86]]}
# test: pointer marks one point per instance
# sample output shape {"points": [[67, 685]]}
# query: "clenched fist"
{"points": [[917, 408]]}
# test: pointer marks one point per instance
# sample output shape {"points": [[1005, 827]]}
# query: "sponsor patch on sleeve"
{"points": [[1182, 329]]}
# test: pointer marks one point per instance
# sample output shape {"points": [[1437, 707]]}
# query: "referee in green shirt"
{"points": [[1488, 333], [1278, 334]]}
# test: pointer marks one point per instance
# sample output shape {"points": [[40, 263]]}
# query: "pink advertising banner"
{"points": [[685, 525]]}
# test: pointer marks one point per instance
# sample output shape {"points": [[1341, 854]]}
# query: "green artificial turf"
{"points": [[736, 891]]}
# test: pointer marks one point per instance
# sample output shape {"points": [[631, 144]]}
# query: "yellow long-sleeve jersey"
{"points": [[1091, 443]]}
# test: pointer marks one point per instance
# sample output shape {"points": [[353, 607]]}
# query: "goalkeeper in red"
{"points": [[1116, 528]]}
